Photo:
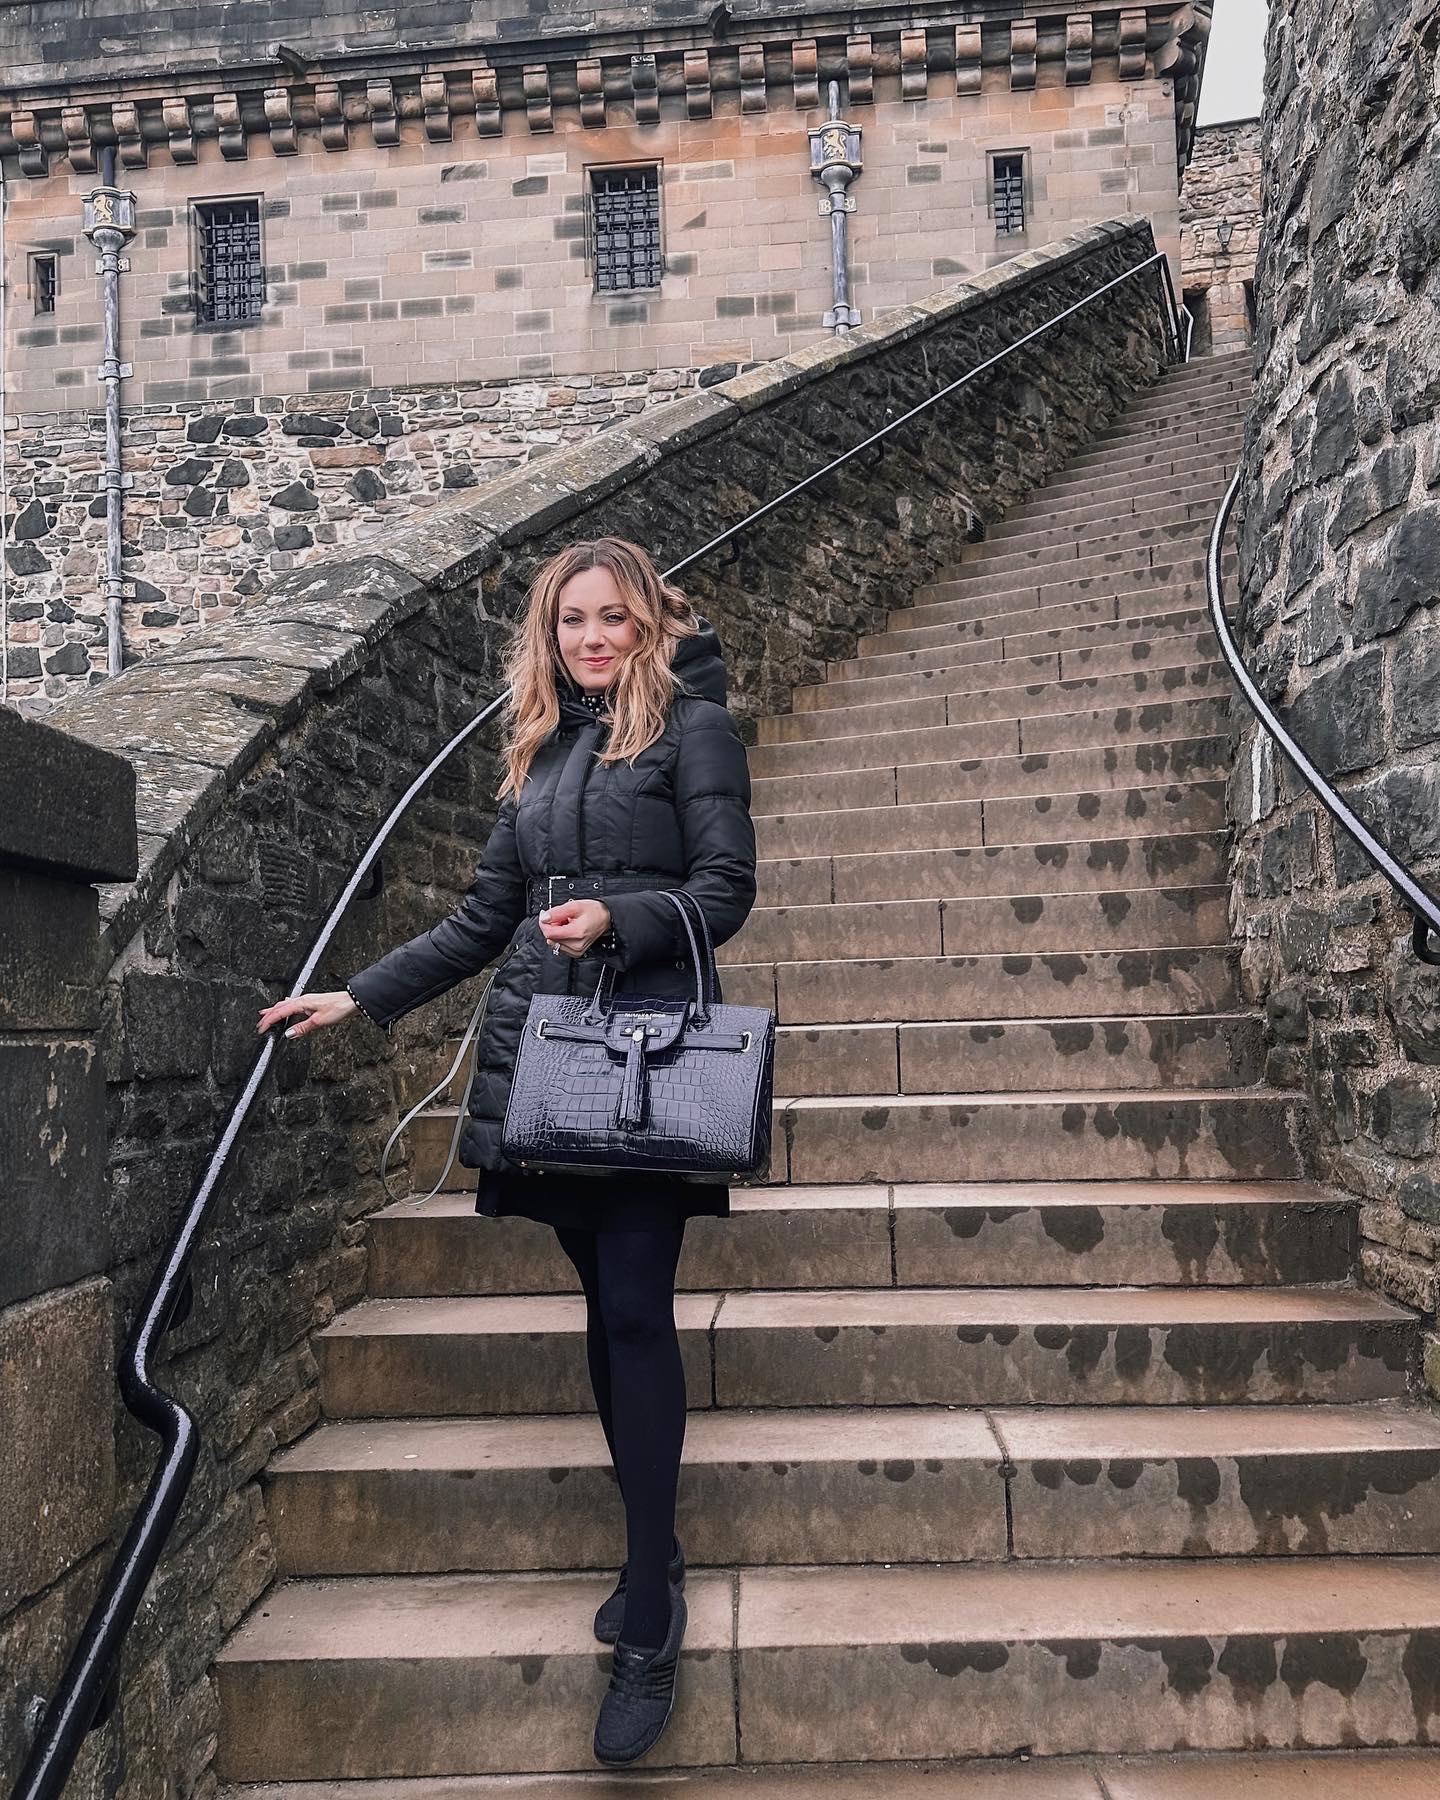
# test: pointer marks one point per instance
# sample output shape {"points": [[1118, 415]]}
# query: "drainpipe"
{"points": [[4, 458], [835, 162], [109, 225]]}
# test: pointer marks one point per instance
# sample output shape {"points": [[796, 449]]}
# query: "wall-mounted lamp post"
{"points": [[110, 225], [835, 162], [1225, 230]]}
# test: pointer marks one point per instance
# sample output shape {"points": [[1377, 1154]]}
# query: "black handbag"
{"points": [[640, 1083]]}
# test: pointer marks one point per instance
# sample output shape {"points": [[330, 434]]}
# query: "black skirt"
{"points": [[639, 1202]]}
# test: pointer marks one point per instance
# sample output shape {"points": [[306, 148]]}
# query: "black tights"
{"points": [[639, 1382]]}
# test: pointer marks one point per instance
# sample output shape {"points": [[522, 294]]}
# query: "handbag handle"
{"points": [[707, 976]]}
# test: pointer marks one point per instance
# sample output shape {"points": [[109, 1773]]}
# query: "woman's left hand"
{"points": [[573, 925]]}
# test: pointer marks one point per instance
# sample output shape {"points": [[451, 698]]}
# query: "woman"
{"points": [[624, 774]]}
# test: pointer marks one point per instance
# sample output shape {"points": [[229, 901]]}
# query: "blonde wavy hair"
{"points": [[643, 685]]}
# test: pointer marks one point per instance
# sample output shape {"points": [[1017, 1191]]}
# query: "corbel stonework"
{"points": [[590, 86], [435, 104], [179, 129], [753, 97], [914, 84], [860, 69], [969, 70], [1079, 48], [25, 129], [231, 127], [126, 117], [535, 79], [281, 118], [485, 91], [804, 73], [1023, 35], [75, 123], [380, 98], [330, 106], [697, 84], [1166, 40], [645, 88], [1132, 43]]}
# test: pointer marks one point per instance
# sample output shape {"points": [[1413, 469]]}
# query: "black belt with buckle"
{"points": [[549, 890]]}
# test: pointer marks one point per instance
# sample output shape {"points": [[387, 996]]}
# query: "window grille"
{"points": [[229, 275], [44, 282], [625, 216], [1009, 194]]}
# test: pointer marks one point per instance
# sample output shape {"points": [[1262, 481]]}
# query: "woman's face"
{"points": [[593, 628]]}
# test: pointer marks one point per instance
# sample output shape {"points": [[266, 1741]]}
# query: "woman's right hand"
{"points": [[313, 1011]]}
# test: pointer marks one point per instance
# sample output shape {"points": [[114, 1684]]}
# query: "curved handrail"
{"points": [[87, 1689], [1421, 902]]}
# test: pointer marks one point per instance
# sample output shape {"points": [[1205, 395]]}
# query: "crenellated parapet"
{"points": [[600, 76]]}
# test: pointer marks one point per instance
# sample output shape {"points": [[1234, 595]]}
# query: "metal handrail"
{"points": [[88, 1688], [1420, 901]]}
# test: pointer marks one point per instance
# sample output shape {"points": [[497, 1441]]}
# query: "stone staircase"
{"points": [[1035, 1412]]}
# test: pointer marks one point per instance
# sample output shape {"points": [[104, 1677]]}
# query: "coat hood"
{"points": [[699, 663]]}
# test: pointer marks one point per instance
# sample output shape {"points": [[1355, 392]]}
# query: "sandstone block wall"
{"points": [[1340, 555], [265, 751], [1222, 181]]}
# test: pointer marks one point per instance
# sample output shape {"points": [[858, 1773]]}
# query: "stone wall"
{"points": [[223, 498], [1340, 550], [266, 749], [1222, 181]]}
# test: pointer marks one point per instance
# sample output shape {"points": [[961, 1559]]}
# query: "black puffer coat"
{"points": [[679, 815]]}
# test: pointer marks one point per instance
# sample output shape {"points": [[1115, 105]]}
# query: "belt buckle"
{"points": [[550, 881]]}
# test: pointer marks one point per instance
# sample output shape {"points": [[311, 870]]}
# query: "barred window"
{"points": [[1009, 188], [625, 227], [229, 274], [44, 282]]}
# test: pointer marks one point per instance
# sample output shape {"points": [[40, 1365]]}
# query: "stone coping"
{"points": [[195, 718]]}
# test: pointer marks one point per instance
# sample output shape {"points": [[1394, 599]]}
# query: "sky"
{"points": [[1235, 62]]}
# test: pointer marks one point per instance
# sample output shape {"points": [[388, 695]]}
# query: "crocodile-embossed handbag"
{"points": [[630, 1082]]}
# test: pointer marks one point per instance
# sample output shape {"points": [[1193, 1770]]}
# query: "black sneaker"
{"points": [[641, 1694], [611, 1614]]}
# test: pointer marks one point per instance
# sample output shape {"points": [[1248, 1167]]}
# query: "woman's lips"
{"points": [[595, 662]]}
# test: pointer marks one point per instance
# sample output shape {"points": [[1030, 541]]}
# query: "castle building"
{"points": [[379, 255]]}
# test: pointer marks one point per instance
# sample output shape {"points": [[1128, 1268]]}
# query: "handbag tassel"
{"points": [[633, 1104]]}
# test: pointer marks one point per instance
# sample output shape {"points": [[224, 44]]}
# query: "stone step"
{"points": [[1208, 417], [1026, 632], [1183, 806], [467, 1674], [976, 777], [836, 1486], [1172, 401], [1197, 1133], [1074, 984], [1018, 1055], [1285, 1775], [1134, 546], [1041, 1135], [1064, 530], [1113, 463], [1084, 729], [1170, 474], [1082, 864], [1122, 538], [1032, 1346], [962, 924], [1086, 693], [967, 674], [1177, 582], [1205, 486], [1223, 432], [998, 1234], [1033, 619]]}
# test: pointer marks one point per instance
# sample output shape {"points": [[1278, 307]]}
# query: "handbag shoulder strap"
{"points": [[705, 969]]}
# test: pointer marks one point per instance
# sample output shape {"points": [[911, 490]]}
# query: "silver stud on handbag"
{"points": [[648, 1083]]}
